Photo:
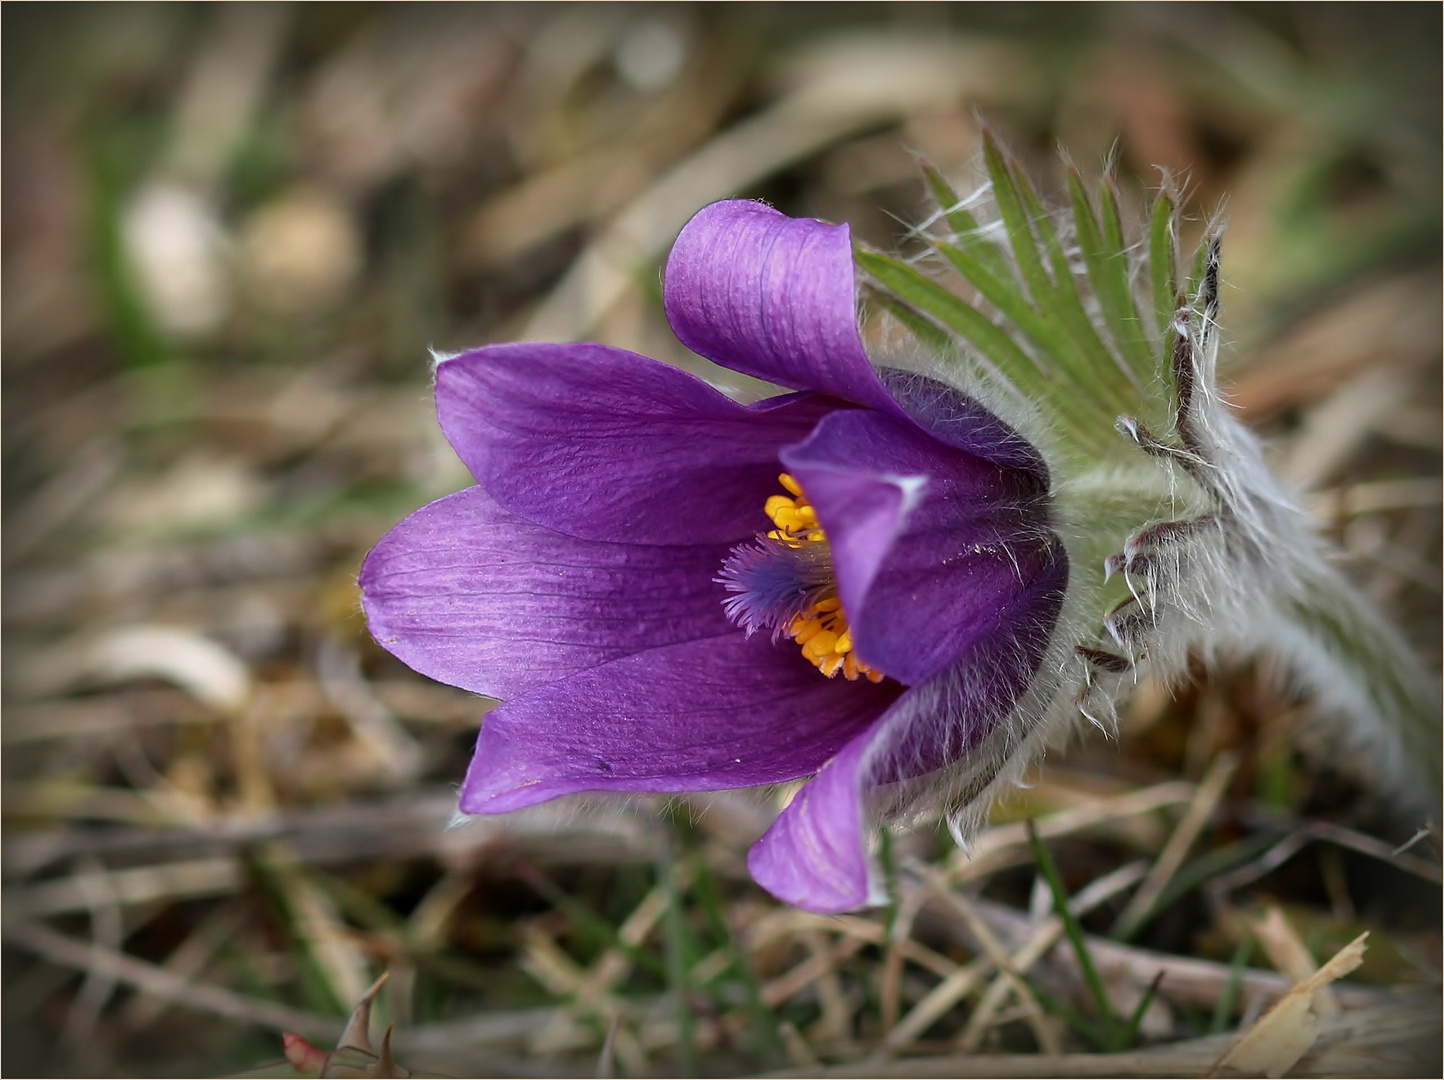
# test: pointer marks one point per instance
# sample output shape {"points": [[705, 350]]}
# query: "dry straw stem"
{"points": [[787, 922], [1007, 845], [1200, 810], [187, 961], [834, 1028], [1187, 980], [1287, 952], [99, 985], [961, 982], [848, 86], [569, 1028], [1391, 324], [142, 885], [1376, 497], [409, 826], [1043, 939], [1038, 1020], [795, 980], [1336, 428], [166, 985], [590, 990], [1295, 842], [1286, 1032], [1399, 1040], [316, 924]]}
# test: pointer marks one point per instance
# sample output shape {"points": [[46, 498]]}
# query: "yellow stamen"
{"points": [[822, 630]]}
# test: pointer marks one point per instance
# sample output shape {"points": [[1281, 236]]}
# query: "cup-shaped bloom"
{"points": [[671, 591]]}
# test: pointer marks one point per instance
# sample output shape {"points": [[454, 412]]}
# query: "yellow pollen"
{"points": [[822, 630]]}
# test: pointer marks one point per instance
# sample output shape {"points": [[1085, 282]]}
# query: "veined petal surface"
{"points": [[604, 444], [772, 296], [815, 854], [727, 712], [472, 595]]}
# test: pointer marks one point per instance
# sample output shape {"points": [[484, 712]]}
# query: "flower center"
{"points": [[785, 581]]}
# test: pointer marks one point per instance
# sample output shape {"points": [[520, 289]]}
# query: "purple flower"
{"points": [[632, 529]]}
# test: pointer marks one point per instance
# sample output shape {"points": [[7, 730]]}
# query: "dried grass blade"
{"points": [[59, 949], [938, 884], [1286, 1032], [1205, 800], [1048, 933], [1287, 952]]}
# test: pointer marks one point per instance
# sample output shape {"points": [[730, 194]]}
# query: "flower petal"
{"points": [[772, 296], [469, 594], [604, 444], [815, 855], [731, 711], [942, 721], [964, 423], [929, 543]]}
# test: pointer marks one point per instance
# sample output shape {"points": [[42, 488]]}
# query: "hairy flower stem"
{"points": [[1362, 668]]}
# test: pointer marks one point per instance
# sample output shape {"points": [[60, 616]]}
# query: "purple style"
{"points": [[581, 580]]}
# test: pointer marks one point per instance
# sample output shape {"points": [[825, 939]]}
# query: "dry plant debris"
{"points": [[1286, 1032]]}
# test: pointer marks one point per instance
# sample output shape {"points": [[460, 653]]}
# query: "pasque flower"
{"points": [[670, 591]]}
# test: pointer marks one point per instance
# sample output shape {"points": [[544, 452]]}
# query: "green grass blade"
{"points": [[594, 932], [1194, 873], [888, 863], [681, 953], [1229, 998], [1074, 931], [767, 1044], [1130, 1033], [1080, 1024], [133, 329]]}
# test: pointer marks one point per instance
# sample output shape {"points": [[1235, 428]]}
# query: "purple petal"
{"points": [[929, 543], [469, 594], [727, 712], [815, 855], [964, 423], [772, 296], [940, 722], [608, 445]]}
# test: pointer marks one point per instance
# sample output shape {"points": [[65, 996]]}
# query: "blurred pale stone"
{"points": [[650, 54], [202, 490], [177, 249], [300, 252]]}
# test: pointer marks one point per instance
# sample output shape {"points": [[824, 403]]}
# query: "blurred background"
{"points": [[231, 232]]}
